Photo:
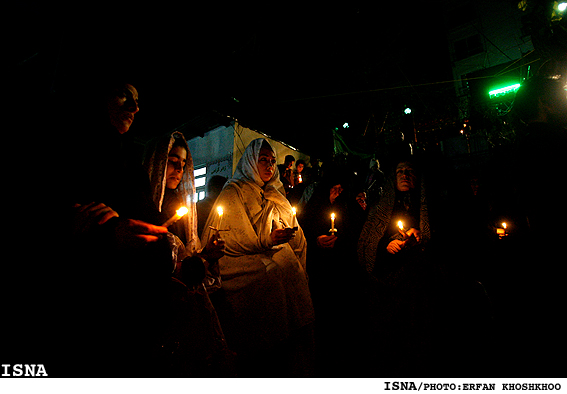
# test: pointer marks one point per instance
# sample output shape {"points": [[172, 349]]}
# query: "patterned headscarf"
{"points": [[378, 220], [156, 165]]}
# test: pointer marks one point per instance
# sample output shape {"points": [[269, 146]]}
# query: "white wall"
{"points": [[220, 149], [243, 136], [214, 150]]}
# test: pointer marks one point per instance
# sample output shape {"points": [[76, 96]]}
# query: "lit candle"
{"points": [[299, 178], [220, 212], [293, 217], [333, 229], [178, 215], [401, 227], [502, 231]]}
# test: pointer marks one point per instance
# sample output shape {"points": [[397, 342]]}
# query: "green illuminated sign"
{"points": [[504, 90]]}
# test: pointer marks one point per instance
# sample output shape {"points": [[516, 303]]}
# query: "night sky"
{"points": [[292, 72]]}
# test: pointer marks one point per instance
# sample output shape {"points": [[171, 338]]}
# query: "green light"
{"points": [[504, 90], [562, 7]]}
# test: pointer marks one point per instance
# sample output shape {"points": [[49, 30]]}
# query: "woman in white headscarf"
{"points": [[266, 308]]}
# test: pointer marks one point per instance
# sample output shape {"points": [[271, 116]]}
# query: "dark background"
{"points": [[293, 72]]}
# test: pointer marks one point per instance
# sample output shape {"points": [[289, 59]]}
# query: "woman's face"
{"points": [[122, 105], [266, 164], [361, 199], [175, 165], [405, 177], [335, 191]]}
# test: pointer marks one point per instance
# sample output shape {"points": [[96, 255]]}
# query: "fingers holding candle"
{"points": [[326, 241], [178, 215], [282, 235], [502, 232], [408, 233], [215, 248], [395, 246], [415, 232]]}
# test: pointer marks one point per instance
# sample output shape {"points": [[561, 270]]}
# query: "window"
{"points": [[200, 172], [200, 182]]}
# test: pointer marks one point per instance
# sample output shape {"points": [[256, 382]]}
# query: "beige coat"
{"points": [[267, 295]]}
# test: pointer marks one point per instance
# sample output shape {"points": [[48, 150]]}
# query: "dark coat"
{"points": [[112, 298]]}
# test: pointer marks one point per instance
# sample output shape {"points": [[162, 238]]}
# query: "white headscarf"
{"points": [[247, 170]]}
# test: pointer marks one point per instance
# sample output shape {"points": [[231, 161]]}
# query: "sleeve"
{"points": [[239, 234]]}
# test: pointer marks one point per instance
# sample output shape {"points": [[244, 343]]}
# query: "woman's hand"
{"points": [[282, 235], [415, 232], [132, 233], [326, 241], [395, 246], [89, 215], [215, 247]]}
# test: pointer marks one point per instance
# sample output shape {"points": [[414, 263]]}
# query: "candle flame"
{"points": [[333, 216], [504, 225], [293, 210], [182, 211], [401, 225], [220, 211]]}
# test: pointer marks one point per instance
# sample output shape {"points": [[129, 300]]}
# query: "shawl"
{"points": [[247, 173], [194, 329], [253, 209], [265, 285], [156, 164], [378, 220]]}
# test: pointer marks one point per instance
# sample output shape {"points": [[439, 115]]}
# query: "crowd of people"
{"points": [[305, 273]]}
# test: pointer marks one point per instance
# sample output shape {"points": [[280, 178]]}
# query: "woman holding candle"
{"points": [[403, 201], [194, 329], [265, 306], [115, 268], [397, 298], [325, 219], [300, 181], [418, 317], [331, 236]]}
